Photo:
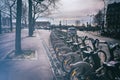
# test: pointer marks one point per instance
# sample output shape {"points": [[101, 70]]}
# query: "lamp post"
{"points": [[103, 26]]}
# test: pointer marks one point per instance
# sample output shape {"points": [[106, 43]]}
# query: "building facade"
{"points": [[113, 19]]}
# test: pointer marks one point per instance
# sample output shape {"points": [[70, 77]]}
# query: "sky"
{"points": [[75, 8], [71, 10]]}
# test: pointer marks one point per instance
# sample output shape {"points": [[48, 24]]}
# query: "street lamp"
{"points": [[103, 26]]}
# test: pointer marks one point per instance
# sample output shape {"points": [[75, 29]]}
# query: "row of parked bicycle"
{"points": [[82, 58]]}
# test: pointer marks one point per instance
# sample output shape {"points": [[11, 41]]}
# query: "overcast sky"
{"points": [[75, 8]]}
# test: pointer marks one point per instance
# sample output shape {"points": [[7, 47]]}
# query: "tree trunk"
{"points": [[30, 18], [11, 27], [33, 23], [18, 27], [0, 24]]}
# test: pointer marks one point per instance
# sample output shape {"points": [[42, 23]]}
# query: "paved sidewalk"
{"points": [[28, 69]]}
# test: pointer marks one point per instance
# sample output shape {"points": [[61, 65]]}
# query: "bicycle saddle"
{"points": [[88, 53], [81, 64], [62, 37], [76, 44], [69, 41], [69, 54]]}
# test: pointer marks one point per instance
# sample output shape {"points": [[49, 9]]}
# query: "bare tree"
{"points": [[30, 18], [18, 11], [18, 24], [18, 27], [24, 13], [98, 18], [43, 8], [10, 4], [2, 7], [39, 8]]}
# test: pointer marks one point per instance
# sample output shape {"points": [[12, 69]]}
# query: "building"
{"points": [[5, 21], [113, 18]]}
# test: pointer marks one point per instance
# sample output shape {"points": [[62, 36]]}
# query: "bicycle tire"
{"points": [[57, 46], [112, 74], [97, 59], [81, 72], [66, 64], [67, 61], [63, 50], [103, 57], [73, 58]]}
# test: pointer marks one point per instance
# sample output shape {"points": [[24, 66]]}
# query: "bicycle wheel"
{"points": [[97, 59], [69, 59], [63, 50], [57, 46], [112, 74], [88, 48], [83, 72], [59, 55], [66, 64], [102, 56]]}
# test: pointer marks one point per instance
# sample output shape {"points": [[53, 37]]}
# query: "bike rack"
{"points": [[55, 64]]}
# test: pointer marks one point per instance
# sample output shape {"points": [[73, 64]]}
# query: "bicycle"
{"points": [[91, 59], [73, 46], [112, 66], [73, 57]]}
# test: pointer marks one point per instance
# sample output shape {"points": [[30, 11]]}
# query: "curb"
{"points": [[3, 58]]}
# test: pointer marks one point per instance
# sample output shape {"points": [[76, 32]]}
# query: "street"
{"points": [[95, 36]]}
